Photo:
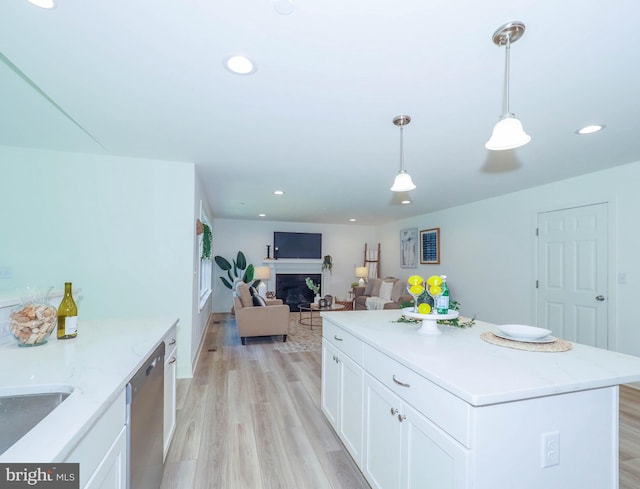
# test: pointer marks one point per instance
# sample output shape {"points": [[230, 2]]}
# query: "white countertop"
{"points": [[97, 365], [481, 373]]}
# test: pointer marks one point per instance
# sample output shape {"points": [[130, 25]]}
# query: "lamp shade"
{"points": [[507, 134], [262, 273], [362, 272], [402, 182]]}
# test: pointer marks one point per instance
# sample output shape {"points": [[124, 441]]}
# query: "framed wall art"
{"points": [[430, 246], [409, 248]]}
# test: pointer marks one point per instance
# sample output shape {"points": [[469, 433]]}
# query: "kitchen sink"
{"points": [[21, 412]]}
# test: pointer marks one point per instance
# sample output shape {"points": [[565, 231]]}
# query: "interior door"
{"points": [[572, 299]]}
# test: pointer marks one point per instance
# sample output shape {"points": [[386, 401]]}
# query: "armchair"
{"points": [[259, 320]]}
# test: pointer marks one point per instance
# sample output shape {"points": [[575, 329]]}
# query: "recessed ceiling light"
{"points": [[48, 4], [240, 65], [353, 219], [261, 215], [278, 192], [406, 201], [591, 129]]}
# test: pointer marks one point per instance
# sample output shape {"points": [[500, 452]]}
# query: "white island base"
{"points": [[453, 411]]}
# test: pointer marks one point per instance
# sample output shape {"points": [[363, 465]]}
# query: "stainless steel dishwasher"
{"points": [[145, 416]]}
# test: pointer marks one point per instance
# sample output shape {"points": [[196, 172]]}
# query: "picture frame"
{"points": [[409, 248], [430, 246]]}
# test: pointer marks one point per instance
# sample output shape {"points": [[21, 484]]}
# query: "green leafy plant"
{"points": [[453, 305], [312, 286], [327, 263], [237, 269], [206, 242]]}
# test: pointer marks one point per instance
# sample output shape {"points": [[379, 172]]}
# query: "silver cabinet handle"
{"points": [[173, 360], [336, 338], [599, 297], [399, 382], [401, 417], [394, 411]]}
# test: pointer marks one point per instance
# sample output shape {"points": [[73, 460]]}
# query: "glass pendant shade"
{"points": [[402, 182], [507, 134]]}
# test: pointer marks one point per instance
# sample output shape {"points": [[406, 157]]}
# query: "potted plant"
{"points": [[239, 268], [314, 287], [327, 263]]}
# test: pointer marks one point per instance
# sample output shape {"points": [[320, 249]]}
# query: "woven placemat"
{"points": [[555, 345]]}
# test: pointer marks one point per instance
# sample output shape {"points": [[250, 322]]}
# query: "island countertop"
{"points": [[482, 373], [96, 366]]}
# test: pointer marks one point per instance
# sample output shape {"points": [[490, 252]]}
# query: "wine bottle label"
{"points": [[71, 325]]}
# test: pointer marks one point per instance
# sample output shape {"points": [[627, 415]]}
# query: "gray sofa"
{"points": [[397, 294]]}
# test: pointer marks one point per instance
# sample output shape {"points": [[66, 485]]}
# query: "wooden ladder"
{"points": [[369, 262]]}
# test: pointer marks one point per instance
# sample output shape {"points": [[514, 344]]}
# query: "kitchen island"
{"points": [[94, 368], [454, 411]]}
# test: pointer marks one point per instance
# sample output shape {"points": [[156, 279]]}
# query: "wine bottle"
{"points": [[442, 304], [67, 315]]}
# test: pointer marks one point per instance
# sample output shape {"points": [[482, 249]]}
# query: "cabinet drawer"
{"points": [[344, 341], [442, 408]]}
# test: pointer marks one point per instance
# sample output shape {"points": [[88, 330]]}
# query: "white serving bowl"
{"points": [[522, 331]]}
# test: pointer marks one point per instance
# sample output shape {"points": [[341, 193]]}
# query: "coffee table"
{"points": [[311, 308]]}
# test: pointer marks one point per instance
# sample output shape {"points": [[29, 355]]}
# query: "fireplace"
{"points": [[293, 290]]}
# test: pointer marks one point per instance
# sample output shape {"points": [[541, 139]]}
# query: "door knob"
{"points": [[599, 297]]}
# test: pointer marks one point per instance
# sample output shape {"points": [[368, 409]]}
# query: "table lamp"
{"points": [[263, 274], [362, 273]]}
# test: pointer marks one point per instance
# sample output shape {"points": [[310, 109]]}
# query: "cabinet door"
{"points": [[112, 470], [170, 374], [383, 436], [431, 459], [351, 415], [330, 383]]}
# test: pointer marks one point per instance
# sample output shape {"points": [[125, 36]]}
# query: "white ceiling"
{"points": [[145, 78]]}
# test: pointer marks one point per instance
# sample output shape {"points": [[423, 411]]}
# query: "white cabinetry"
{"points": [[406, 450], [101, 453], [342, 387], [170, 373], [112, 471]]}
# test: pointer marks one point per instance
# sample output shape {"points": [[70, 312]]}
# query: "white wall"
{"points": [[121, 229], [488, 249], [344, 242]]}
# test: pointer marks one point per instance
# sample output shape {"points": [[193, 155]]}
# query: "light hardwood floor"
{"points": [[250, 419]]}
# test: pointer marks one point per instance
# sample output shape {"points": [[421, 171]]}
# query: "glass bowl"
{"points": [[31, 324]]}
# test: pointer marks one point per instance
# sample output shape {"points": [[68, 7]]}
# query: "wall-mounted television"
{"points": [[297, 245]]}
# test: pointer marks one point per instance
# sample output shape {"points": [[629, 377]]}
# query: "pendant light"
{"points": [[508, 132], [402, 182]]}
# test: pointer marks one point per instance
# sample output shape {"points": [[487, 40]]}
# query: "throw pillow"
{"points": [[375, 292], [373, 287], [253, 291], [258, 301], [399, 289], [245, 295], [385, 290]]}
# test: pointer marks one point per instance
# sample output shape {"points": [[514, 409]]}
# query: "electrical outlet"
{"points": [[550, 449]]}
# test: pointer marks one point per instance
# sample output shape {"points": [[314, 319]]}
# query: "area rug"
{"points": [[301, 337]]}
